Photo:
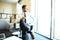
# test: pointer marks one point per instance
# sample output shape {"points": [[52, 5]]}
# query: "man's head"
{"points": [[25, 8]]}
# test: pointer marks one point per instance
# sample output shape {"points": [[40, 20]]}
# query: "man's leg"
{"points": [[31, 34], [23, 35]]}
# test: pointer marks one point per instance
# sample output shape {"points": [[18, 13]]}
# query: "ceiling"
{"points": [[9, 1]]}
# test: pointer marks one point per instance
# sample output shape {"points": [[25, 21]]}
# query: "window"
{"points": [[3, 15], [41, 9], [47, 20], [57, 19], [44, 17]]}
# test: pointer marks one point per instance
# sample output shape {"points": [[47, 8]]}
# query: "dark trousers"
{"points": [[24, 35]]}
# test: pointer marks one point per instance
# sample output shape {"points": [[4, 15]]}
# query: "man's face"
{"points": [[25, 9]]}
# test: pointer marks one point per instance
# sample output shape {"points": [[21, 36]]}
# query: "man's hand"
{"points": [[22, 18]]}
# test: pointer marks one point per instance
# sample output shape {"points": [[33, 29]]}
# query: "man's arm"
{"points": [[23, 24]]}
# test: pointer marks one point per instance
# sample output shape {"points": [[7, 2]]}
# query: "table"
{"points": [[13, 38], [19, 34]]}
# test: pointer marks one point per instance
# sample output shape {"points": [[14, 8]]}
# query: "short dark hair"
{"points": [[24, 6]]}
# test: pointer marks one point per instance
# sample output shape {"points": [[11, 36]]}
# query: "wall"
{"points": [[7, 7]]}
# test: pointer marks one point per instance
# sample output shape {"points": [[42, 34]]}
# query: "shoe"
{"points": [[32, 36]]}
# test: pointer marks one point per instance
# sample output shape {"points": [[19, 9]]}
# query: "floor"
{"points": [[38, 37]]}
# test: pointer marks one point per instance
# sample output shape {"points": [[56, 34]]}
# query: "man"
{"points": [[27, 15], [26, 21]]}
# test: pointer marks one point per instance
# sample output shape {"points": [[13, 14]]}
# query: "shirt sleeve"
{"points": [[30, 18]]}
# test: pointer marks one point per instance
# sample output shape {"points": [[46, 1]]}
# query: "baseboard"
{"points": [[43, 36]]}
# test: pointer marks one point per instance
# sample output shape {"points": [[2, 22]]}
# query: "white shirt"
{"points": [[29, 18]]}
